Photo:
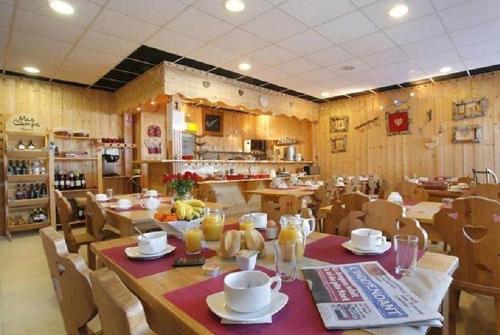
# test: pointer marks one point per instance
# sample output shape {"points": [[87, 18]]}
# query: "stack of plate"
{"points": [[361, 252], [133, 253]]}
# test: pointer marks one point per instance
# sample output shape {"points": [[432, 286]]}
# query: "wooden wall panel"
{"points": [[371, 151], [239, 126]]}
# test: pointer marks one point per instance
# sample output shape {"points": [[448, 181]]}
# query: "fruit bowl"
{"points": [[184, 214], [178, 227]]}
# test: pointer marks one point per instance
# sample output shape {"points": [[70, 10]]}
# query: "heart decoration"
{"points": [[398, 122]]}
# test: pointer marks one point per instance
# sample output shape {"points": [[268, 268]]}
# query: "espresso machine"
{"points": [[110, 158]]}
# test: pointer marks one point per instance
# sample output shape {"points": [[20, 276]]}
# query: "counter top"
{"points": [[195, 161], [247, 180]]}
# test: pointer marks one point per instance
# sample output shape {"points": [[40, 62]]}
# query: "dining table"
{"points": [[125, 220], [273, 194], [174, 299]]}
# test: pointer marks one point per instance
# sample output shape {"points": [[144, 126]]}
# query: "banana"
{"points": [[189, 213], [181, 211], [195, 203]]}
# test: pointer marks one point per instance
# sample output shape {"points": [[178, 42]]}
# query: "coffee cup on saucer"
{"points": [[152, 193], [367, 239], [152, 243], [249, 291], [101, 197], [123, 204]]}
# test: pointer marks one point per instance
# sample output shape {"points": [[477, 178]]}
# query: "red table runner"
{"points": [[143, 268], [329, 250], [299, 316]]}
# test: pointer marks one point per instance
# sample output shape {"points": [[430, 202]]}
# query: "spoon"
{"points": [[141, 233]]}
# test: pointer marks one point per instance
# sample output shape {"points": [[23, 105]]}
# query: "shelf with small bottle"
{"points": [[36, 218], [27, 154], [28, 202]]}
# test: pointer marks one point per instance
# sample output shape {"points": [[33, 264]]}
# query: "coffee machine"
{"points": [[110, 158]]}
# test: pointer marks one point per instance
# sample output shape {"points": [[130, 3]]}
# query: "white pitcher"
{"points": [[306, 225]]}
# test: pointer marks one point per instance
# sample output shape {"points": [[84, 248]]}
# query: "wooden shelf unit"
{"points": [[22, 207]]}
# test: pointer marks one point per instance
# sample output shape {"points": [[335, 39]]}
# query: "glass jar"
{"points": [[213, 224], [246, 222], [291, 232]]}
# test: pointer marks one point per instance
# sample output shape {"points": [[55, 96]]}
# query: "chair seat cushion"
{"points": [[84, 238]]}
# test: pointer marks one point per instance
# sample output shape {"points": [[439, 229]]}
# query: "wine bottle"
{"points": [[31, 146], [21, 146], [83, 181], [19, 192], [71, 180], [78, 180], [24, 168]]}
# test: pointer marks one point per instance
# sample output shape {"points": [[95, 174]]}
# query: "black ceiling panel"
{"points": [[338, 97], [24, 75], [273, 87], [252, 81], [195, 64], [130, 65], [450, 76], [95, 87], [225, 73], [292, 93], [416, 82], [109, 83], [120, 75], [309, 97], [385, 88], [152, 55], [358, 94], [485, 69], [71, 83]]}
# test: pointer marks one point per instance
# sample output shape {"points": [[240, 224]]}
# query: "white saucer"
{"points": [[133, 252], [102, 200], [121, 208], [383, 248], [216, 303]]}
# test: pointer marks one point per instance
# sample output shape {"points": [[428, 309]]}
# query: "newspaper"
{"points": [[365, 295]]}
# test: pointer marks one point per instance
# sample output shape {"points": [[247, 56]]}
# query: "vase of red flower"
{"points": [[182, 184]]}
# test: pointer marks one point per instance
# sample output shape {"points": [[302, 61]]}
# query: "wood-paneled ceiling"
{"points": [[301, 45]]}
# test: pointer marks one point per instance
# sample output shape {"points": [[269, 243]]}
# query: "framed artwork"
{"points": [[339, 143], [213, 123], [469, 109], [467, 134], [398, 122], [339, 124]]}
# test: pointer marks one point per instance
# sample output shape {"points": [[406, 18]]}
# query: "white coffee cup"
{"points": [[367, 239], [152, 243], [249, 291], [271, 233], [124, 203], [246, 259], [259, 220], [101, 197]]}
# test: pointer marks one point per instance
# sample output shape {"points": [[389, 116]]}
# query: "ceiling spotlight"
{"points": [[398, 11], [381, 107], [31, 69], [412, 94], [445, 69], [138, 109], [234, 5], [61, 7], [325, 94], [347, 68], [396, 101], [244, 66]]}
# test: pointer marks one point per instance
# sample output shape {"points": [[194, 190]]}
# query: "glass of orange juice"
{"points": [[246, 222], [213, 224], [193, 238]]}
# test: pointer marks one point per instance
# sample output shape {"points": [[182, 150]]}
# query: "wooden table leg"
{"points": [[446, 313]]}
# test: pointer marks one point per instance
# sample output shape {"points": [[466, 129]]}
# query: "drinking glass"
{"points": [[406, 247], [144, 193], [246, 222], [193, 238], [213, 224], [109, 193], [285, 258]]}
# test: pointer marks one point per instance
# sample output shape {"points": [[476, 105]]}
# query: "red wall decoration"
{"points": [[398, 122]]}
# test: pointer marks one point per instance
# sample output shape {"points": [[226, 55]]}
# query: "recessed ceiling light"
{"points": [[244, 66], [347, 68], [234, 5], [31, 69], [61, 7], [398, 11], [445, 69], [412, 94], [325, 94]]}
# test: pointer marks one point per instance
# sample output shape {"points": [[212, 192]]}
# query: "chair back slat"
{"points": [[65, 212], [490, 191], [411, 191], [98, 219], [472, 229], [120, 311]]}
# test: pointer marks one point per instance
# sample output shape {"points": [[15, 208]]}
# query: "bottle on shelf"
{"points": [[19, 192], [67, 182], [83, 181], [25, 191], [31, 146], [78, 181], [10, 169], [57, 177], [17, 168], [43, 190], [31, 192], [24, 168], [80, 213], [21, 146], [71, 180]]}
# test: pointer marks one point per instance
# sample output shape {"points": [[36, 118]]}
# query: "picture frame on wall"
{"points": [[469, 109], [339, 124], [398, 122], [339, 143], [467, 134], [213, 123]]}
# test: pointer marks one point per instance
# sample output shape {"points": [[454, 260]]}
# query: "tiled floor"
{"points": [[28, 304]]}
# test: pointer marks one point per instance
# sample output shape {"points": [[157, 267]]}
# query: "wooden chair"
{"points": [[411, 191], [490, 191], [70, 276], [73, 241], [349, 202], [100, 228], [120, 311], [472, 227], [385, 216]]}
